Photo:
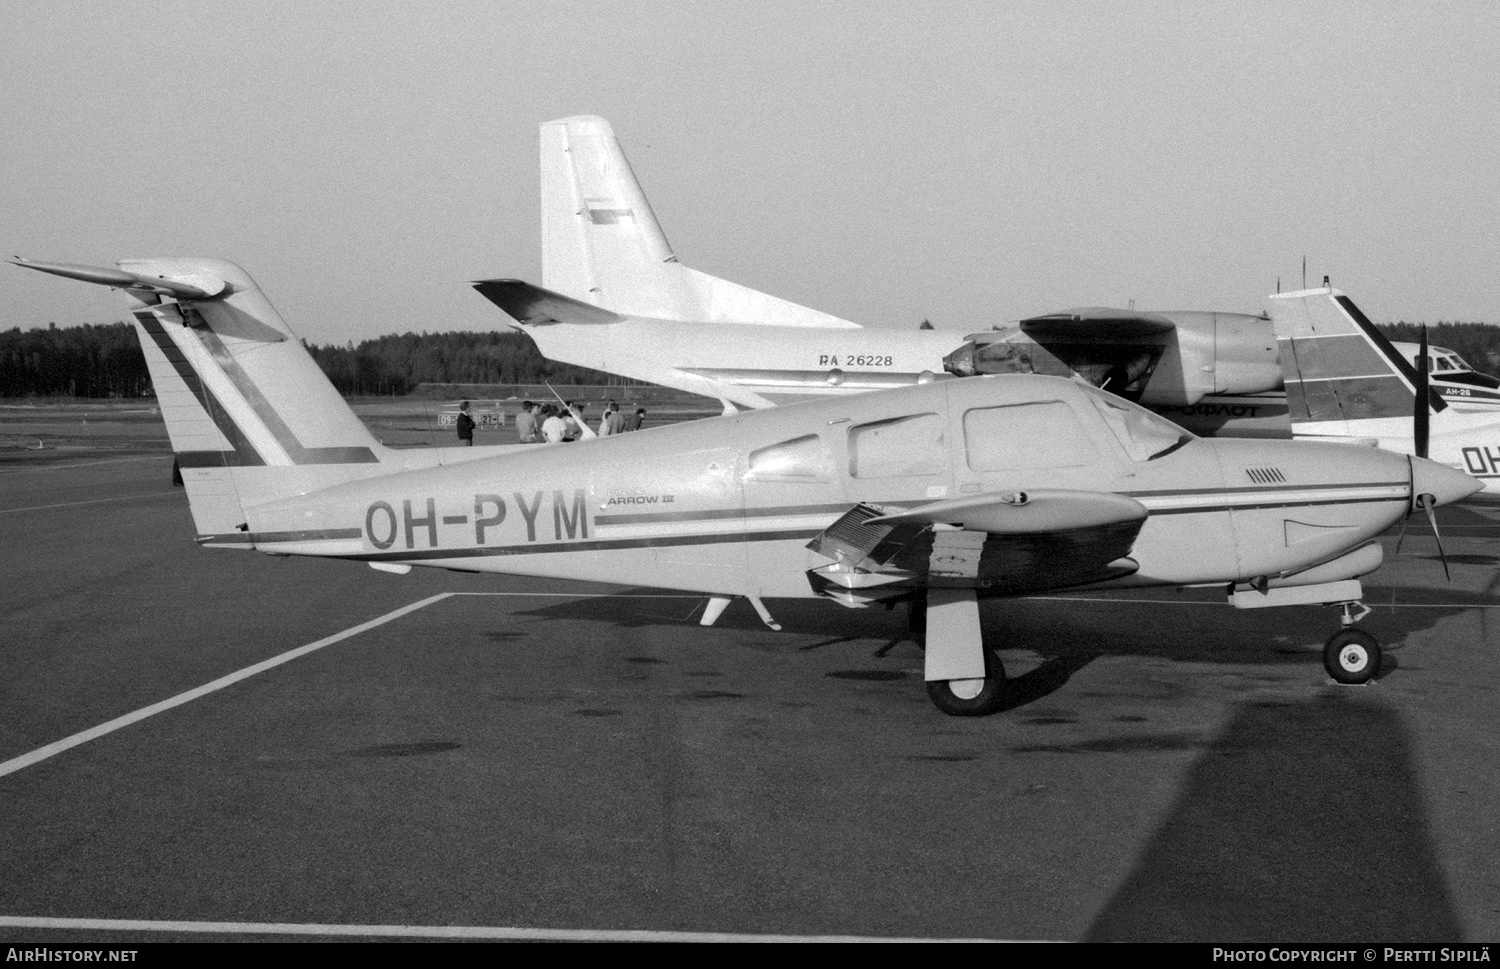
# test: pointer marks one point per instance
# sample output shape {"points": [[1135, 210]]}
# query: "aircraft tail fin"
{"points": [[250, 415], [1336, 365], [601, 242]]}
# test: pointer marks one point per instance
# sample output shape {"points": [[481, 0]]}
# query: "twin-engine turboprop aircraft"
{"points": [[615, 298], [937, 494]]}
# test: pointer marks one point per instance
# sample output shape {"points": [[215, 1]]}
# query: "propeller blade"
{"points": [[1427, 506], [1421, 415], [1401, 535]]}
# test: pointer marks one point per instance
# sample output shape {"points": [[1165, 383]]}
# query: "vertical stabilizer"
{"points": [[601, 242], [250, 415], [1336, 365]]}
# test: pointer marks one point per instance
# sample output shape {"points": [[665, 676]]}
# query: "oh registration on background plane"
{"points": [[935, 495]]}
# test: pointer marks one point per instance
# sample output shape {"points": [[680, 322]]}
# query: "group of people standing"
{"points": [[555, 423]]}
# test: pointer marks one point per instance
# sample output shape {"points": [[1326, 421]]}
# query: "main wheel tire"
{"points": [[1351, 656], [986, 701]]}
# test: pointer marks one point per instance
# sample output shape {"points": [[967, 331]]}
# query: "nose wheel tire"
{"points": [[1351, 656], [971, 698]]}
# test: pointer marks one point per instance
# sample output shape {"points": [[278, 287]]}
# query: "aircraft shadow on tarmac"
{"points": [[1303, 821], [1066, 635]]}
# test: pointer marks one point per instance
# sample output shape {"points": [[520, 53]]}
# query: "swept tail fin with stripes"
{"points": [[251, 417]]}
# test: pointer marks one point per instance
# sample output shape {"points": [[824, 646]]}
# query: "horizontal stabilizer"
{"points": [[1025, 513], [196, 286], [1090, 322], [535, 306]]}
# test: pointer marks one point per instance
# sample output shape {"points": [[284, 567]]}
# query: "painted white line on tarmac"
{"points": [[84, 464], [94, 501], [591, 595], [67, 743], [440, 931], [1224, 605]]}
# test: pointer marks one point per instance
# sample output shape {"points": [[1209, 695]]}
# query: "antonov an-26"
{"points": [[615, 297], [936, 495]]}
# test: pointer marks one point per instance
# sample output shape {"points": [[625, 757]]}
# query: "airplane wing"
{"points": [[535, 306], [1109, 348], [1093, 322], [1008, 543]]}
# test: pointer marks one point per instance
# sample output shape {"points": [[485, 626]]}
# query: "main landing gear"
{"points": [[1352, 655], [963, 678]]}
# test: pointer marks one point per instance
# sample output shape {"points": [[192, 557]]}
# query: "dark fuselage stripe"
{"points": [[1197, 492], [1276, 504], [598, 545], [641, 518]]}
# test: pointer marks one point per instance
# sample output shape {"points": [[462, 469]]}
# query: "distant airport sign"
{"points": [[492, 418]]}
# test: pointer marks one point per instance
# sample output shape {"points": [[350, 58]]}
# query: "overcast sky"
{"points": [[970, 163]]}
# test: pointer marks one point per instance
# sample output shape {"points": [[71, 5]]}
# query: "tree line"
{"points": [[398, 364], [1478, 343], [105, 360]]}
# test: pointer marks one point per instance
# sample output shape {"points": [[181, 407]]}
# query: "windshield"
{"points": [[1143, 435]]}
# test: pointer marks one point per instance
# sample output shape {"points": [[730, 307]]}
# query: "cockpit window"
{"points": [[800, 459], [1143, 435]]}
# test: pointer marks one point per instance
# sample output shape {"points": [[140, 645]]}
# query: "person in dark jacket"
{"points": [[465, 425]]}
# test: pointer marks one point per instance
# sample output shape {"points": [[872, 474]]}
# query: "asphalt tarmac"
{"points": [[517, 758]]}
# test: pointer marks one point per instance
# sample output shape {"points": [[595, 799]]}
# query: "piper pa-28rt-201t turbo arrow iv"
{"points": [[936, 494]]}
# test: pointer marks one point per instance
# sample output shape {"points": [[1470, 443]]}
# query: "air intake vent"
{"points": [[1266, 475]]}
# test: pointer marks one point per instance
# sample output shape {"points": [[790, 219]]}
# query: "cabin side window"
{"points": [[1040, 434], [800, 459], [899, 447]]}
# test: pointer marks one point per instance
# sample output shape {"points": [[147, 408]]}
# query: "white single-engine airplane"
{"points": [[937, 495], [1345, 381], [615, 298]]}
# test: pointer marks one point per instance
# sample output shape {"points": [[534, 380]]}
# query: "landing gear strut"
{"points": [[1352, 655], [963, 678]]}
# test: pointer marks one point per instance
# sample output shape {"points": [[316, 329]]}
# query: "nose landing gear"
{"points": [[1352, 655]]}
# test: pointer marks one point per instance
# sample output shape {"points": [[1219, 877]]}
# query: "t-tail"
{"points": [[601, 242], [250, 415]]}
